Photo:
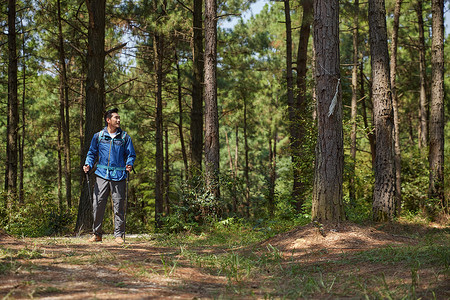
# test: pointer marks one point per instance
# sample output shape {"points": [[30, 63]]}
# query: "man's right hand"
{"points": [[86, 168]]}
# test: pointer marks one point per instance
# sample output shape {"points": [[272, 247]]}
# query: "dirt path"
{"points": [[62, 268], [72, 268]]}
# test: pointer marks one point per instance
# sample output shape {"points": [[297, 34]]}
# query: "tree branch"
{"points": [[182, 4], [123, 83], [115, 48]]}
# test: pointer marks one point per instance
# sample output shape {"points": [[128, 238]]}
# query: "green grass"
{"points": [[398, 269], [232, 252]]}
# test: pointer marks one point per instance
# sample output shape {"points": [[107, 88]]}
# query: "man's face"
{"points": [[114, 121]]}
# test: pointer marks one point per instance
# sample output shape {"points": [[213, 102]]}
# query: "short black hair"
{"points": [[108, 114]]}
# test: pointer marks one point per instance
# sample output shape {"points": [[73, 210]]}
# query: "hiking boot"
{"points": [[119, 240], [95, 238]]}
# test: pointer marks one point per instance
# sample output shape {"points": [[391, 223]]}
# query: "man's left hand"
{"points": [[129, 168]]}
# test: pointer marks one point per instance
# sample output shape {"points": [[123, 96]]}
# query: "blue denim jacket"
{"points": [[113, 154]]}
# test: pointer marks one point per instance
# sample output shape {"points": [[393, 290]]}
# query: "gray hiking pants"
{"points": [[102, 189]]}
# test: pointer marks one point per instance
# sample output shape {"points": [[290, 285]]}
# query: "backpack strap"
{"points": [[101, 134], [124, 135]]}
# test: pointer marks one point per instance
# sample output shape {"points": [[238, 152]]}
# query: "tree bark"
{"points": [[354, 108], [167, 173], [197, 91], [232, 174], [369, 129], [13, 106], [64, 110], [397, 151], [180, 117], [297, 124], [21, 193], [293, 113], [327, 204], [423, 110], [211, 109], [59, 179], [384, 190], [246, 165], [95, 96], [81, 130], [436, 152], [273, 171], [159, 159]]}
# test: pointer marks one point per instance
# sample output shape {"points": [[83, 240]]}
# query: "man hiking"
{"points": [[115, 152]]}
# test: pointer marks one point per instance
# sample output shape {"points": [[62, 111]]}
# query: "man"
{"points": [[115, 152]]}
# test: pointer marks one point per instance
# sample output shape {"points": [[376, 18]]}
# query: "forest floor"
{"points": [[349, 261]]}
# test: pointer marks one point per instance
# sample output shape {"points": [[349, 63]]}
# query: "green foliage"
{"points": [[195, 206], [40, 217]]}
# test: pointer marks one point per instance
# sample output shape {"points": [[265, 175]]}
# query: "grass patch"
{"points": [[392, 272]]}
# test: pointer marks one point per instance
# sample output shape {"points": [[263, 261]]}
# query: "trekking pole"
{"points": [[89, 186], [125, 208]]}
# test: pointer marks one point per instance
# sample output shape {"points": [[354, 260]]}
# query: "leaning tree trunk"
{"points": [[197, 91], [397, 152], [436, 154], [327, 202], [211, 109], [384, 189], [13, 106], [95, 97]]}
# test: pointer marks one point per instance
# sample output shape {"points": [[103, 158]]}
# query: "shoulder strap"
{"points": [[101, 133]]}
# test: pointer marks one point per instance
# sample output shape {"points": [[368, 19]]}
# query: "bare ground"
{"points": [[72, 268]]}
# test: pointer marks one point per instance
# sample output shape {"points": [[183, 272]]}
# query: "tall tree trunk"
{"points": [[293, 113], [95, 96], [197, 90], [272, 171], [212, 146], [236, 151], [246, 165], [354, 108], [397, 151], [21, 193], [13, 105], [384, 189], [423, 115], [232, 174], [59, 179], [369, 129], [436, 154], [159, 159], [180, 116], [298, 123], [81, 130], [167, 173], [64, 111], [327, 204]]}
